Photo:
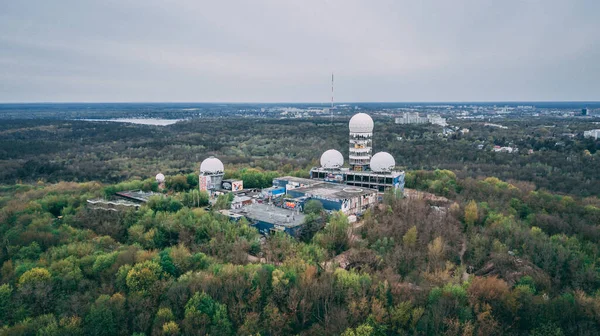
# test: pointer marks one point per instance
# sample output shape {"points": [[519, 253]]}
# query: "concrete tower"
{"points": [[361, 141], [211, 174]]}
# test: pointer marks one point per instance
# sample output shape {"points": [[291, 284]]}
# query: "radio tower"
{"points": [[332, 97], [332, 90]]}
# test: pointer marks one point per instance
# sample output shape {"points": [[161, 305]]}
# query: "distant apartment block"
{"points": [[592, 134], [499, 149], [415, 118], [495, 125]]}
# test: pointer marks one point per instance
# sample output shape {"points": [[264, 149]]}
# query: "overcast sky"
{"points": [[285, 51]]}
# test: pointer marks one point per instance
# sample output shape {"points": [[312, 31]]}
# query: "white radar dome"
{"points": [[332, 159], [160, 178], [211, 165], [382, 162], [361, 123]]}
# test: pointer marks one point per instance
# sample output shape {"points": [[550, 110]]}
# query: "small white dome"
{"points": [[211, 165], [361, 123], [332, 159], [382, 162], [160, 178]]}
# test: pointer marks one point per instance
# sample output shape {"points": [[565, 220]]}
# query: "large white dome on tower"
{"points": [[211, 165], [382, 162], [332, 159], [160, 178], [361, 123]]}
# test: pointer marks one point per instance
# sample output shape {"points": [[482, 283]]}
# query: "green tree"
{"points": [[195, 198], [334, 237], [163, 316], [178, 183], [312, 224], [107, 316], [471, 213], [166, 262], [100, 321], [144, 276], [170, 328], [192, 180], [410, 237], [164, 204], [361, 330], [35, 286], [314, 207], [203, 315], [224, 201], [6, 303]]}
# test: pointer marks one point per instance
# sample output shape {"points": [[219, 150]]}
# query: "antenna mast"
{"points": [[331, 97], [332, 90]]}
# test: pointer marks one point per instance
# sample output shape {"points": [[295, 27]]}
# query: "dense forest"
{"points": [[67, 150], [508, 247], [495, 258]]}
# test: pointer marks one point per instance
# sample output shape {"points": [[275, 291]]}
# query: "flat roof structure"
{"points": [[237, 199], [137, 195], [294, 179], [337, 191], [112, 205], [271, 214]]}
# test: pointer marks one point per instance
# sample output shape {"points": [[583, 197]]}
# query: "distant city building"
{"points": [[411, 118], [436, 119], [505, 149], [495, 125], [585, 111], [592, 134], [415, 118], [446, 131]]}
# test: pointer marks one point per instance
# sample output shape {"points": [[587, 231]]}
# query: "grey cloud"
{"points": [[285, 50]]}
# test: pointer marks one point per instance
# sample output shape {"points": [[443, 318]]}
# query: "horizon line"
{"points": [[302, 102]]}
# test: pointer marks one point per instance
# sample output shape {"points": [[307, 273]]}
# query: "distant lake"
{"points": [[141, 121]]}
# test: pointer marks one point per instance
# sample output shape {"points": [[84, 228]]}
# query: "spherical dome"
{"points": [[382, 162], [361, 123], [332, 159], [160, 178], [211, 165]]}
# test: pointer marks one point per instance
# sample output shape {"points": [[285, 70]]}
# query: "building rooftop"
{"points": [[296, 179], [270, 214], [238, 199], [137, 195], [116, 202], [361, 173], [328, 190]]}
